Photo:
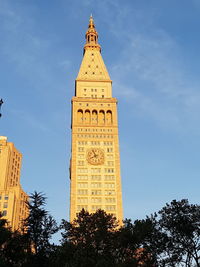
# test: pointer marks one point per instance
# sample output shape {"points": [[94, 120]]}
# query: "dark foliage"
{"points": [[169, 238], [40, 226]]}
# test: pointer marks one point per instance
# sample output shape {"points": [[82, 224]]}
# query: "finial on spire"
{"points": [[91, 22], [91, 35]]}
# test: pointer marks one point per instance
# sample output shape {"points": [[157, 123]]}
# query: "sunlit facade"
{"points": [[12, 197], [95, 159]]}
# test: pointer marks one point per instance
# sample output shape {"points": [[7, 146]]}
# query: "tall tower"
{"points": [[12, 197], [95, 160]]}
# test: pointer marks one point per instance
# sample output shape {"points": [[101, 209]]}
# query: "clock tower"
{"points": [[95, 160]]}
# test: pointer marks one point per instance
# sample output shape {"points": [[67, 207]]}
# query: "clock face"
{"points": [[95, 156]]}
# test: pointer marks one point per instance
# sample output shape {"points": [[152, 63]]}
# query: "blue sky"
{"points": [[151, 50]]}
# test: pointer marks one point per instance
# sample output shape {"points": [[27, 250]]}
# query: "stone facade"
{"points": [[12, 197], [95, 160]]}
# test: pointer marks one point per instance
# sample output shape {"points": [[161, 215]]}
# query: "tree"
{"points": [[180, 222], [139, 242], [92, 239], [40, 226], [5, 235]]}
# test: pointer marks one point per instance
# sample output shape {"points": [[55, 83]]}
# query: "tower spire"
{"points": [[91, 36]]}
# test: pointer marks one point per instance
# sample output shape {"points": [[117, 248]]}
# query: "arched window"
{"points": [[87, 116], [80, 116], [94, 117], [109, 117], [101, 117]]}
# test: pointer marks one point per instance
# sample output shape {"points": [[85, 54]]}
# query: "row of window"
{"points": [[16, 162], [82, 163], [5, 197], [87, 104], [15, 154], [95, 200], [96, 177], [94, 136], [82, 156], [94, 117], [97, 207], [96, 192], [93, 72], [95, 170], [4, 205], [92, 89], [82, 149], [94, 130], [95, 143], [96, 185]]}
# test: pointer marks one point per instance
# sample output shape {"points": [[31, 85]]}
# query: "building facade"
{"points": [[95, 160], [12, 197]]}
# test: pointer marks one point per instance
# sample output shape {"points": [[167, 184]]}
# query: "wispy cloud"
{"points": [[152, 61]]}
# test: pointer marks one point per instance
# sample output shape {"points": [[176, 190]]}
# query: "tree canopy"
{"points": [[170, 237]]}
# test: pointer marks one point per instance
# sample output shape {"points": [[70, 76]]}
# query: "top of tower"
{"points": [[3, 138], [91, 36], [92, 66]]}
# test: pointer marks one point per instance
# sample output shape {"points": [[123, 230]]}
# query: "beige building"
{"points": [[12, 197], [95, 159]]}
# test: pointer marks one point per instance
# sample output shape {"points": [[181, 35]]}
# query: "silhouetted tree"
{"points": [[180, 222], [91, 239], [40, 226], [5, 235]]}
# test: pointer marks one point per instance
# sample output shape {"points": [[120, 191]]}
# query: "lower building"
{"points": [[13, 199]]}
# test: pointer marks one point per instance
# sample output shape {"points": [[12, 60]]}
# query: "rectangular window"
{"points": [[95, 170], [109, 149], [109, 185], [6, 197], [82, 192], [109, 170], [80, 149], [82, 200], [96, 185], [82, 185], [109, 177], [108, 143], [82, 142], [96, 192], [109, 192], [111, 208], [80, 162], [110, 163], [96, 200], [110, 200], [96, 177], [82, 170], [5, 205], [82, 177], [81, 156], [95, 143]]}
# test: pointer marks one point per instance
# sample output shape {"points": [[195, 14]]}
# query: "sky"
{"points": [[151, 50]]}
